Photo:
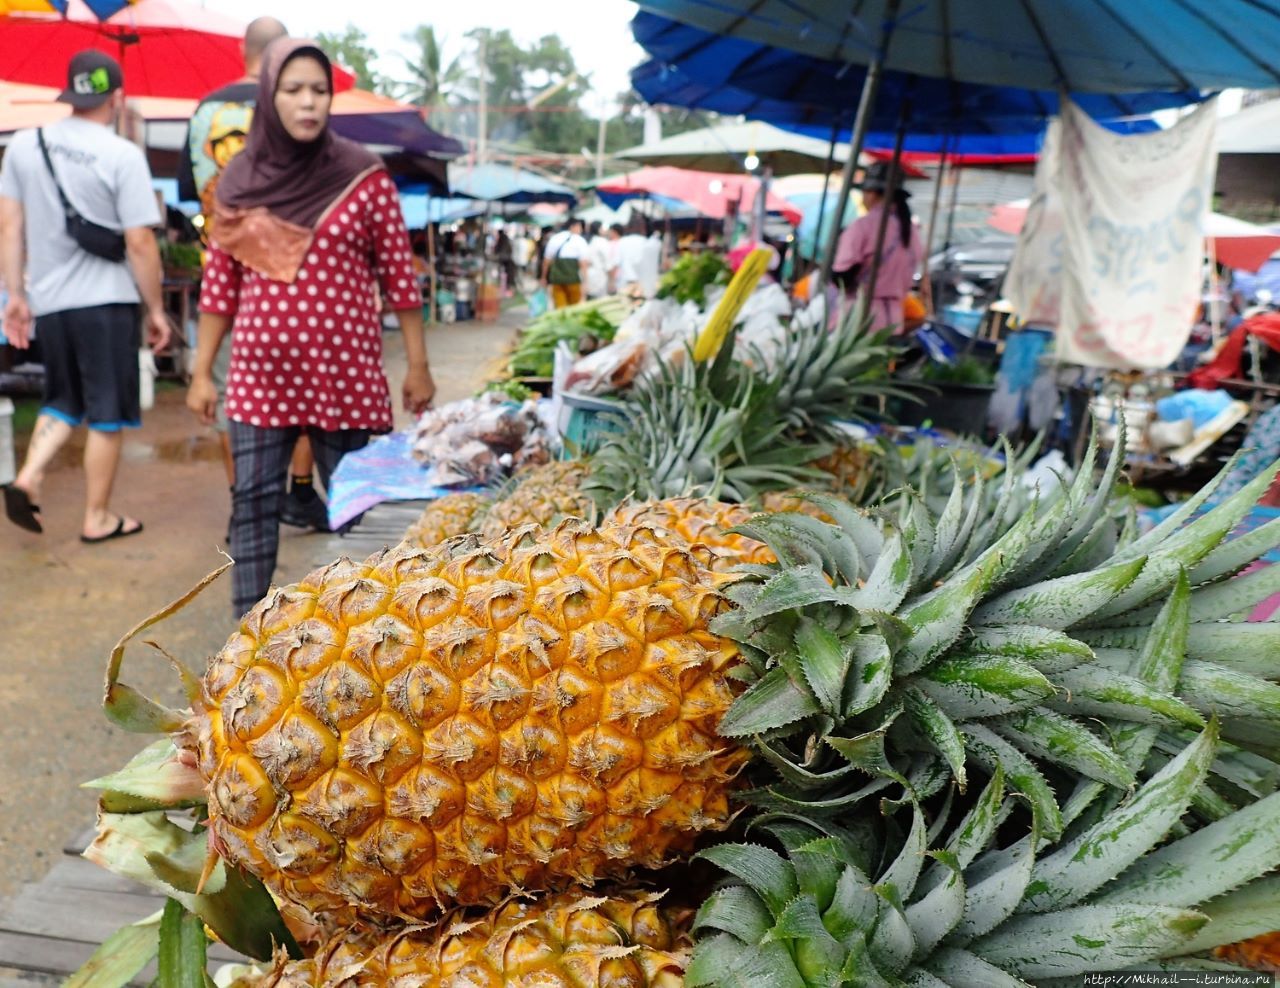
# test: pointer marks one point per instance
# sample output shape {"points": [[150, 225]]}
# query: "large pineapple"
{"points": [[542, 496], [446, 517], [441, 726], [573, 939], [701, 521]]}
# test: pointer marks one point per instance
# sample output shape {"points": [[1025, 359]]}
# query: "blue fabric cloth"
{"points": [[1077, 45], [384, 470], [1022, 352], [1261, 449], [1195, 404]]}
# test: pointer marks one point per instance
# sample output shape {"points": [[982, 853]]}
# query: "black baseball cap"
{"points": [[92, 76]]}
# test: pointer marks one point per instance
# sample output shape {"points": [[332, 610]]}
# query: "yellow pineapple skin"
{"points": [[445, 518], [545, 495], [439, 727], [845, 464], [790, 501], [699, 521], [566, 940]]}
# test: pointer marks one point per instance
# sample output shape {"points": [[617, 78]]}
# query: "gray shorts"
{"points": [[221, 362]]}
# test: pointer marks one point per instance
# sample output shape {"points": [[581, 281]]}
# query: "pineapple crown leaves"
{"points": [[812, 914], [735, 430], [853, 663]]}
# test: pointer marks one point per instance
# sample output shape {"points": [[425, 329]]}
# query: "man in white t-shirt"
{"points": [[633, 265], [82, 291], [564, 265]]}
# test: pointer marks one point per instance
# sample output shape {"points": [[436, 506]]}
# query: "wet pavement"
{"points": [[64, 604]]}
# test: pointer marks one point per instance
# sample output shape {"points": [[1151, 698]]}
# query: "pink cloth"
{"points": [[898, 264]]}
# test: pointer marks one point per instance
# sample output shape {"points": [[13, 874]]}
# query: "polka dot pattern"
{"points": [[310, 353]]}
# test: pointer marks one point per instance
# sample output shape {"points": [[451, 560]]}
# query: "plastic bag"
{"points": [[538, 303]]}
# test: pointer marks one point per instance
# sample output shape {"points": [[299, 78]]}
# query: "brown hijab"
{"points": [[274, 193]]}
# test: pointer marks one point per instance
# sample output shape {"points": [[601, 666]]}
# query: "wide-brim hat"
{"points": [[876, 179]]}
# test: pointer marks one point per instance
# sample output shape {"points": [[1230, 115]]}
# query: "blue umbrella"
{"points": [[693, 67], [959, 136], [503, 183], [1079, 46], [1084, 46]]}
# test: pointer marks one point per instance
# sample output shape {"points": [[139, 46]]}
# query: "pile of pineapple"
{"points": [[965, 735], [912, 724]]}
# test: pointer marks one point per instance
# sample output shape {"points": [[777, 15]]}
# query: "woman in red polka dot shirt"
{"points": [[307, 242]]}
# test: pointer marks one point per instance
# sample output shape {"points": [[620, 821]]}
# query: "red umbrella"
{"points": [[710, 193], [167, 47]]}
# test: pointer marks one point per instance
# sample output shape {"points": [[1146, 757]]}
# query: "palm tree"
{"points": [[429, 80]]}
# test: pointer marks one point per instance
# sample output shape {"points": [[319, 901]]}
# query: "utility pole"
{"points": [[482, 138], [601, 139]]}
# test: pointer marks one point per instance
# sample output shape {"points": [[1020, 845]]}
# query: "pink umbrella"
{"points": [[710, 193], [1235, 243]]}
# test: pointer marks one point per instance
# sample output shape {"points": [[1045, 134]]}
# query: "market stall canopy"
{"points": [[709, 193], [693, 68], [1247, 144], [1235, 243], [166, 47], [377, 120], [503, 183], [1083, 46], [724, 148], [421, 210]]}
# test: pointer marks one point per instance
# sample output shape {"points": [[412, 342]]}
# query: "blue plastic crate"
{"points": [[965, 320], [590, 419]]}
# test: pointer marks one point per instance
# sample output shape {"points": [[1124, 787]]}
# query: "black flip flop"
{"points": [[20, 510], [118, 532]]}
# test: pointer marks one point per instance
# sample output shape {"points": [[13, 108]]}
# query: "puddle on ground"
{"points": [[192, 449]]}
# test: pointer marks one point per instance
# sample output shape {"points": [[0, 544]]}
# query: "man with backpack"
{"points": [[564, 265]]}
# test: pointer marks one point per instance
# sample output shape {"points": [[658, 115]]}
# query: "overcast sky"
{"points": [[600, 41]]}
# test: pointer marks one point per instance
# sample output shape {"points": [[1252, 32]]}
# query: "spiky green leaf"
{"points": [[1085, 864]]}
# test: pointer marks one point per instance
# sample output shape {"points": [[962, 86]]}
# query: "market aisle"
{"points": [[63, 605]]}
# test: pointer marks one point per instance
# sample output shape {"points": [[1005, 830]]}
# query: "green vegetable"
{"points": [[513, 390], [689, 277], [534, 354]]}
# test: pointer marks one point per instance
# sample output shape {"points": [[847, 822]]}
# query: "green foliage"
{"points": [[967, 370], [350, 48], [691, 276]]}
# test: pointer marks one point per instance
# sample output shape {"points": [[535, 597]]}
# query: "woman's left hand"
{"points": [[418, 390]]}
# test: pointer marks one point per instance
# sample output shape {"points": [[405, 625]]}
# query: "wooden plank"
{"points": [[58, 912], [77, 844], [74, 914], [11, 977], [77, 873], [53, 957]]}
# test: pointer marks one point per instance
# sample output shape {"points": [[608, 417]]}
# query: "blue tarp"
{"points": [[1077, 45], [420, 210], [503, 183]]}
